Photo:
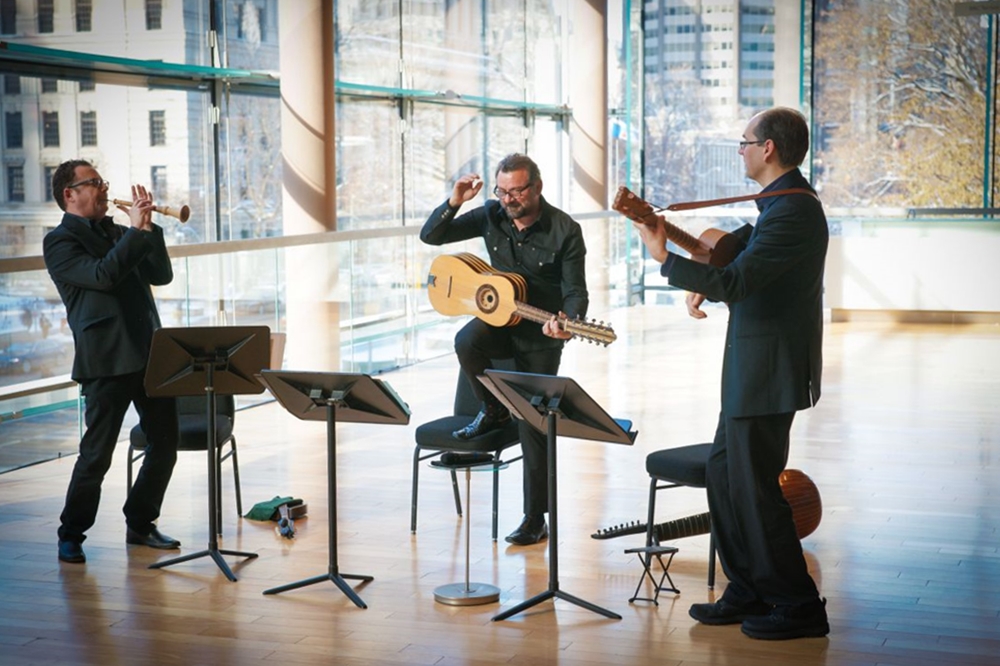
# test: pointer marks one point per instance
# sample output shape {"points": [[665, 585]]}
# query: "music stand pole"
{"points": [[238, 352], [553, 592], [555, 405], [333, 574]]}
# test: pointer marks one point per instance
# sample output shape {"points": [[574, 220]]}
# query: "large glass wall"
{"points": [[905, 105]]}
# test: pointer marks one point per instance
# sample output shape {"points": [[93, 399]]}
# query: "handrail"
{"points": [[36, 262]]}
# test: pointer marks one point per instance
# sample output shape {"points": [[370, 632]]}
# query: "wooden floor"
{"points": [[904, 447]]}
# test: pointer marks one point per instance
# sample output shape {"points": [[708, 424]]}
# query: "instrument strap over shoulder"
{"points": [[689, 205]]}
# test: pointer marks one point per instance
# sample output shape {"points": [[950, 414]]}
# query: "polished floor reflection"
{"points": [[904, 447]]}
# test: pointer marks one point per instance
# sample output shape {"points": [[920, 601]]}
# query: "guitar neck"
{"points": [[588, 330], [636, 209], [531, 313]]}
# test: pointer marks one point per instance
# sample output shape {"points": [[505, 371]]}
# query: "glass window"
{"points": [[47, 182], [8, 17], [50, 85], [157, 128], [901, 106], [154, 14], [14, 130], [50, 129], [84, 15], [15, 183], [158, 182], [88, 128], [11, 84], [87, 86], [45, 15]]}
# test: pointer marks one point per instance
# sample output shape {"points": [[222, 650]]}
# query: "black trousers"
{"points": [[754, 531], [476, 345], [107, 401]]}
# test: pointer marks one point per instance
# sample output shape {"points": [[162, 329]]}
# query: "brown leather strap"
{"points": [[747, 197]]}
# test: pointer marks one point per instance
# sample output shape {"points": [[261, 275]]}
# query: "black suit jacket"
{"points": [[105, 287], [773, 359]]}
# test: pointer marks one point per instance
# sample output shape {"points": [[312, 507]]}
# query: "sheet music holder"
{"points": [[209, 361], [349, 397], [555, 406]]}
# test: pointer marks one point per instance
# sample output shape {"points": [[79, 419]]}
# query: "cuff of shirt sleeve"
{"points": [[668, 265]]}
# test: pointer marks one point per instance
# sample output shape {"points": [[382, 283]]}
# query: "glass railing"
{"points": [[350, 301]]}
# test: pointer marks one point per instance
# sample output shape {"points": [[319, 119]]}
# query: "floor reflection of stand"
{"points": [[208, 361], [467, 594], [347, 397], [555, 405]]}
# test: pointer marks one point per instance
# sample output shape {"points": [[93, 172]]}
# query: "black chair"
{"points": [[435, 437], [675, 468], [192, 424]]}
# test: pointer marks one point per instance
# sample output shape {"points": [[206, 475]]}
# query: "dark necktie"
{"points": [[107, 228]]}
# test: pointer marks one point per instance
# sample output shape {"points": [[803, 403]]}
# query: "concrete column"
{"points": [[309, 202], [588, 98]]}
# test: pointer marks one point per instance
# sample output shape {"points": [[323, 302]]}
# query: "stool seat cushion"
{"points": [[684, 465]]}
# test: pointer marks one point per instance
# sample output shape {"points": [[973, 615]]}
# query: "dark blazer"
{"points": [[773, 359], [106, 290]]}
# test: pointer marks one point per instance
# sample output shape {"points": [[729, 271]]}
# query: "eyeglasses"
{"points": [[744, 144], [515, 192], [96, 182]]}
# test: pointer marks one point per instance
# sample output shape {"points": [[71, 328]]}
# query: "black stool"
{"points": [[674, 468], [646, 556]]}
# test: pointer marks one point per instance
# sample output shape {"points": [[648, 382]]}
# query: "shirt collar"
{"points": [[788, 179]]}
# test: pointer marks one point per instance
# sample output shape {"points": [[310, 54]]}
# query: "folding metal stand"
{"points": [[555, 405], [209, 361], [349, 397]]}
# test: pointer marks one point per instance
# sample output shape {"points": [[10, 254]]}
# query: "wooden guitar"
{"points": [[464, 284], [713, 246]]}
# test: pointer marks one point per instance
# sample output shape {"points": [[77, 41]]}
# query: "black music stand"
{"points": [[556, 406], [209, 361], [350, 397]]}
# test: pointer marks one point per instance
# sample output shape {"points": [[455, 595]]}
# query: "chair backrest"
{"points": [[188, 405], [466, 402]]}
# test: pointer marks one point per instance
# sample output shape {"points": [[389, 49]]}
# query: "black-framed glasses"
{"points": [[96, 182], [744, 144], [515, 192]]}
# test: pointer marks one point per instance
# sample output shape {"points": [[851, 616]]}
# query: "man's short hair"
{"points": [[64, 175], [519, 162], [789, 131]]}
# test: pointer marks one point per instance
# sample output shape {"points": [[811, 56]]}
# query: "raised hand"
{"points": [[140, 213], [466, 188]]}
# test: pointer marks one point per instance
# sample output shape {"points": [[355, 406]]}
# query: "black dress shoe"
{"points": [[484, 422], [531, 530], [785, 622], [72, 552], [154, 539], [723, 612]]}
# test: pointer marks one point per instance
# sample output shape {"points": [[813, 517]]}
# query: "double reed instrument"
{"points": [[183, 213]]}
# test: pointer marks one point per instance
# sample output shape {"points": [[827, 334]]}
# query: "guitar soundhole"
{"points": [[487, 298]]}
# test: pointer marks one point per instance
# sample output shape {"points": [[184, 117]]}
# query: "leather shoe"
{"points": [[723, 612], [72, 552], [484, 422], [785, 622], [531, 530], [154, 539]]}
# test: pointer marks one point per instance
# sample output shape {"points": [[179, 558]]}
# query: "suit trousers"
{"points": [[476, 344], [755, 535], [107, 401]]}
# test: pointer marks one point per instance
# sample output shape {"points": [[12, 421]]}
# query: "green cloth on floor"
{"points": [[267, 510]]}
